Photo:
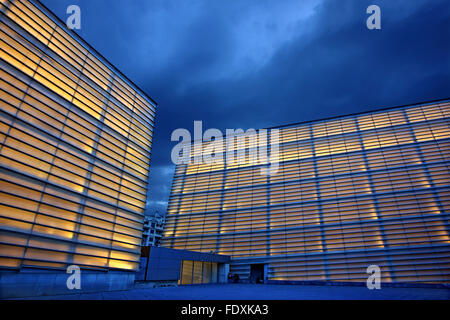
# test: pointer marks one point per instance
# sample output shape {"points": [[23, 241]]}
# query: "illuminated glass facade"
{"points": [[353, 191], [75, 140]]}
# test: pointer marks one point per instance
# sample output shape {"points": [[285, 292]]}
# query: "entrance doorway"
{"points": [[257, 273]]}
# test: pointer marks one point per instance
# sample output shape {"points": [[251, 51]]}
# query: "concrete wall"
{"points": [[35, 282]]}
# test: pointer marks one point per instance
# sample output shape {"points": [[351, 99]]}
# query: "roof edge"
{"points": [[81, 39]]}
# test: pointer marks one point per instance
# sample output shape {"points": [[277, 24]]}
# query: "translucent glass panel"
{"points": [[198, 272], [361, 184], [198, 183], [334, 127], [186, 271], [408, 265], [428, 112], [75, 142], [381, 120], [295, 134], [333, 267], [204, 167]]}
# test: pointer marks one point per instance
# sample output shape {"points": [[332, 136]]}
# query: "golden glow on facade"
{"points": [[198, 272], [364, 189], [75, 139]]}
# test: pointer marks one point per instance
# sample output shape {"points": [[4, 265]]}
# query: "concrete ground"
{"points": [[262, 292]]}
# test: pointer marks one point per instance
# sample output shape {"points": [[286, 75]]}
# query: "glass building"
{"points": [[351, 191], [75, 140]]}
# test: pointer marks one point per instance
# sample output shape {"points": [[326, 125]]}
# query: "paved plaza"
{"points": [[263, 292]]}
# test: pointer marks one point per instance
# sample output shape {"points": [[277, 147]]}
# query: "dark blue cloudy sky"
{"points": [[261, 63]]}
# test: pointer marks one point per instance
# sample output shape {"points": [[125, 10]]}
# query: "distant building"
{"points": [[153, 230], [351, 191]]}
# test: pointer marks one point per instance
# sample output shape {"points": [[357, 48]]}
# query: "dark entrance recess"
{"points": [[145, 253], [257, 273]]}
